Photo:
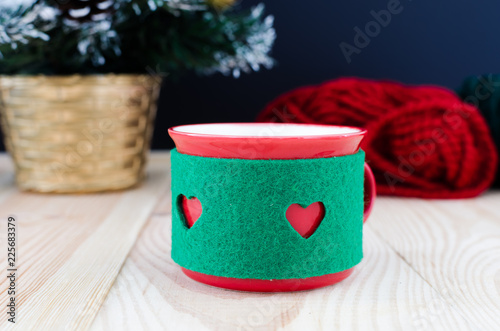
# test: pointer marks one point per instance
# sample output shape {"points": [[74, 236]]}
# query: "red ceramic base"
{"points": [[263, 285]]}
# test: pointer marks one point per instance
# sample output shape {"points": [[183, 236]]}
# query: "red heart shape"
{"points": [[191, 209], [305, 220]]}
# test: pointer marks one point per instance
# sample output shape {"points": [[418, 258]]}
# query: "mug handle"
{"points": [[370, 192]]}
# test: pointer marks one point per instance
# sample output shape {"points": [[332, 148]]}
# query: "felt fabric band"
{"points": [[243, 231]]}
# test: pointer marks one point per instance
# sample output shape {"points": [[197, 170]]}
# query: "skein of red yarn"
{"points": [[422, 141]]}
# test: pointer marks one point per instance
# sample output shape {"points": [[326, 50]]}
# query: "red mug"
{"points": [[271, 141]]}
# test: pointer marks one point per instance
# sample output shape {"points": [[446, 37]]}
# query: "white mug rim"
{"points": [[267, 130]]}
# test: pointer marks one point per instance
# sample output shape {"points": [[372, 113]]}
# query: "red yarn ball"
{"points": [[422, 141]]}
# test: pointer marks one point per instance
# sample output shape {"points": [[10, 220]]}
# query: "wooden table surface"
{"points": [[428, 265]]}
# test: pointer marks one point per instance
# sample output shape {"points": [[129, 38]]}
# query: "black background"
{"points": [[430, 41]]}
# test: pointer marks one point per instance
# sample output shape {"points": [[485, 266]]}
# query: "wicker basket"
{"points": [[74, 134]]}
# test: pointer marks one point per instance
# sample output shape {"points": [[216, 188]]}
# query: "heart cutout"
{"points": [[305, 220], [191, 208]]}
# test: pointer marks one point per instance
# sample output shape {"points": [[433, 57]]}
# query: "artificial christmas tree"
{"points": [[81, 80], [129, 36]]}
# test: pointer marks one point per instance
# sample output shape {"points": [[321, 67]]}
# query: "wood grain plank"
{"points": [[384, 293], [429, 265], [455, 246], [71, 248], [7, 187]]}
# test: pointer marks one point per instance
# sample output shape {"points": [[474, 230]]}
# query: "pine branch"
{"points": [[169, 35]]}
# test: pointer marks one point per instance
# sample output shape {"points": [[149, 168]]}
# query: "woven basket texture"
{"points": [[78, 134]]}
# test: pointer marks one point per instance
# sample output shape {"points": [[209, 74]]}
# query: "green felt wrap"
{"points": [[243, 231]]}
